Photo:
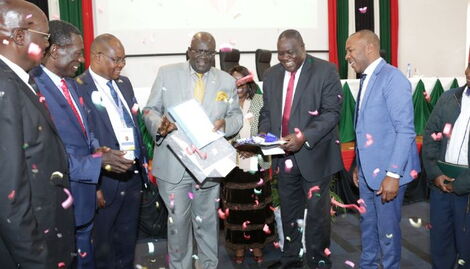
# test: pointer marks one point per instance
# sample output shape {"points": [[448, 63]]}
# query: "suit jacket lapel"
{"points": [[90, 88], [370, 85], [304, 75], [276, 92], [79, 102], [210, 91]]}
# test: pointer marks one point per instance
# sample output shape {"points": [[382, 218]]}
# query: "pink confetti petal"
{"points": [[414, 174], [350, 263], [447, 130], [190, 195], [69, 201], [246, 236], [135, 109], [313, 113], [260, 182], [436, 136], [276, 244], [312, 190], [363, 10], [245, 224], [29, 16], [369, 140], [82, 254], [11, 195], [97, 154], [327, 252], [288, 165], [34, 51], [298, 133], [221, 214], [266, 229], [376, 172], [361, 208], [246, 79], [5, 42], [61, 265]]}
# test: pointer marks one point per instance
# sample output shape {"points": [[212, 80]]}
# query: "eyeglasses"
{"points": [[115, 60], [198, 53], [46, 35]]}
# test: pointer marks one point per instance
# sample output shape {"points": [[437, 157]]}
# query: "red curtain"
{"points": [[394, 32], [88, 34], [332, 32]]}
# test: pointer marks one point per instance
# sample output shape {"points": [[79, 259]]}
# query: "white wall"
{"points": [[433, 37]]}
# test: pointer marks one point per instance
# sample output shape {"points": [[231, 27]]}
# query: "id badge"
{"points": [[126, 142]]}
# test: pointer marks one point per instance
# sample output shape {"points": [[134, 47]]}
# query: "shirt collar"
{"points": [[55, 78], [16, 68], [297, 72], [194, 73], [371, 68], [101, 80]]}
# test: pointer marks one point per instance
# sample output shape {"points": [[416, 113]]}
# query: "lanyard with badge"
{"points": [[124, 135]]}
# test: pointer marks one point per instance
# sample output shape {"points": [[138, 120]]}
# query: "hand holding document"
{"points": [[267, 144]]}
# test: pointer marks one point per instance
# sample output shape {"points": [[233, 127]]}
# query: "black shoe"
{"points": [[287, 265]]}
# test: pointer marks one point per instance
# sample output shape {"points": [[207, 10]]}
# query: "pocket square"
{"points": [[221, 96]]}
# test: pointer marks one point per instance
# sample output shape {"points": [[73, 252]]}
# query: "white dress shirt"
{"points": [[286, 84], [457, 147], [18, 71], [117, 120], [57, 82], [369, 71]]}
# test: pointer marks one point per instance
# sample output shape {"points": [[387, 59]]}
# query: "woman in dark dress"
{"points": [[247, 190]]}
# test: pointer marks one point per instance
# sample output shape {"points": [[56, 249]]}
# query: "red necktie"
{"points": [[66, 92], [288, 105]]}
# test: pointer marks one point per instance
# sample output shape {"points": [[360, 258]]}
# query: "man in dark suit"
{"points": [[113, 108], [302, 103], [53, 78], [450, 190], [36, 217]]}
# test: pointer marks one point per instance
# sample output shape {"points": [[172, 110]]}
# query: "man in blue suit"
{"points": [[387, 156], [112, 106], [61, 61]]}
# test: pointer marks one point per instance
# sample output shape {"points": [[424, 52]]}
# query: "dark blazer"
{"points": [[100, 125], [35, 230], [84, 167], [318, 89], [447, 110]]}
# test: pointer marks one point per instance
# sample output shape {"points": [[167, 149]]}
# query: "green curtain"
{"points": [[436, 92], [71, 11], [346, 122], [342, 21], [455, 84], [146, 136], [385, 40], [422, 108]]}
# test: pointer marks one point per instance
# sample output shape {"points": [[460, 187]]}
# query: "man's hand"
{"points": [[294, 142], [389, 189], [440, 182], [100, 199], [355, 176], [219, 124], [166, 127], [114, 161]]}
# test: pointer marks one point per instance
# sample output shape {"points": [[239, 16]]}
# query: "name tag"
{"points": [[125, 137]]}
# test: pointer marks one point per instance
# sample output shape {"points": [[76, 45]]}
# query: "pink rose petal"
{"points": [[69, 201], [313, 113], [447, 130], [288, 165], [266, 229]]}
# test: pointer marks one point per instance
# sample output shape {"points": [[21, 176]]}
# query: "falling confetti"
{"points": [[246, 79], [245, 224], [288, 238], [190, 195], [461, 262], [69, 201], [349, 263], [61, 265], [313, 113], [436, 136], [389, 236], [57, 175], [369, 140], [5, 42], [416, 223], [256, 191], [260, 182], [447, 129], [11, 195], [376, 172], [195, 257], [198, 219], [266, 229], [29, 16], [82, 254], [327, 252], [414, 174], [298, 133], [151, 247], [97, 154], [193, 149], [221, 213], [361, 208], [34, 169], [363, 10], [312, 190], [288, 165], [246, 236], [276, 244], [427, 97], [135, 109], [34, 51]]}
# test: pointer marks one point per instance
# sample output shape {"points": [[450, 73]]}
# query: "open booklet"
{"points": [[268, 145], [191, 118]]}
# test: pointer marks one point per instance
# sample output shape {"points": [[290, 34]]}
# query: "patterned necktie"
{"points": [[65, 90], [288, 105], [199, 88], [125, 114], [356, 113]]}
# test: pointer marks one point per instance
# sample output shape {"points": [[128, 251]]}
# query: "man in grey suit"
{"points": [[190, 214]]}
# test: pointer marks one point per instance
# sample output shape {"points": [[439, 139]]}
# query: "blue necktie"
{"points": [[126, 115], [356, 113]]}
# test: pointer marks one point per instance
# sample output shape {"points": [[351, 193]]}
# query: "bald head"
{"points": [[201, 52], [22, 24], [362, 48], [108, 56]]}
